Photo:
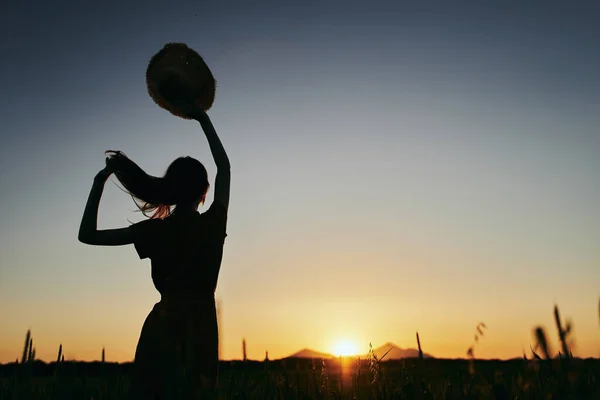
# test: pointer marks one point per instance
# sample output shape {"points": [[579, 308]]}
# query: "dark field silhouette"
{"points": [[319, 379]]}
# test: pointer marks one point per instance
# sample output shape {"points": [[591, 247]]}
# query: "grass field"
{"points": [[545, 376]]}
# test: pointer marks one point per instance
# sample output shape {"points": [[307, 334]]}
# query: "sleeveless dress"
{"points": [[177, 353]]}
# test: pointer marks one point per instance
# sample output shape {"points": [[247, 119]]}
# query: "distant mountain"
{"points": [[308, 353], [396, 353]]}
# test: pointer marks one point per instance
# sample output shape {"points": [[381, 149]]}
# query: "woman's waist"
{"points": [[188, 284], [187, 296], [185, 305]]}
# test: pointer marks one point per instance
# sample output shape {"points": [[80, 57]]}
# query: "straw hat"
{"points": [[178, 73]]}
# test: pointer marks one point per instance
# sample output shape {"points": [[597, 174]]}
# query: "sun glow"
{"points": [[345, 348]]}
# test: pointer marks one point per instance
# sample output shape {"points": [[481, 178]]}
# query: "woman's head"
{"points": [[184, 184]]}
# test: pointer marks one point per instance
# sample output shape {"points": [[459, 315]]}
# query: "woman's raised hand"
{"points": [[192, 110], [102, 176]]}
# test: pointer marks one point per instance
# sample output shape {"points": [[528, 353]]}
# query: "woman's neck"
{"points": [[185, 210]]}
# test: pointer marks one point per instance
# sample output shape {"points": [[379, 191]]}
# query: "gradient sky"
{"points": [[394, 168]]}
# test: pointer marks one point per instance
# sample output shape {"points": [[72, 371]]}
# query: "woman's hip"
{"points": [[187, 327]]}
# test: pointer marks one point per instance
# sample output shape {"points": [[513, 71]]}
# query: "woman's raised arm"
{"points": [[223, 178], [88, 229]]}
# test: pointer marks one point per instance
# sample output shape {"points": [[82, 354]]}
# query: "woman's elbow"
{"points": [[84, 238], [224, 169]]}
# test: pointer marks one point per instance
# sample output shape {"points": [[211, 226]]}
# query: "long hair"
{"points": [[185, 182]]}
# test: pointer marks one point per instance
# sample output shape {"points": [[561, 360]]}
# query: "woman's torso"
{"points": [[185, 251]]}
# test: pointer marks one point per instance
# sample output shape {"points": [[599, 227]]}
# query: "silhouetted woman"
{"points": [[177, 354]]}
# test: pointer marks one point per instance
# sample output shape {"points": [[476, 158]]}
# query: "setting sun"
{"points": [[345, 348]]}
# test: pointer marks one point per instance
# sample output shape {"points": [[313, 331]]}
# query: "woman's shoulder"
{"points": [[216, 209], [215, 218]]}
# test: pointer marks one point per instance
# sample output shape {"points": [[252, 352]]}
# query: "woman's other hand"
{"points": [[103, 175]]}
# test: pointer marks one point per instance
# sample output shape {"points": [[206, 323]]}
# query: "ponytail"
{"points": [[152, 195]]}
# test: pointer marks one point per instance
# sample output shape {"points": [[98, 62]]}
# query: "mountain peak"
{"points": [[309, 353], [389, 351], [388, 345]]}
